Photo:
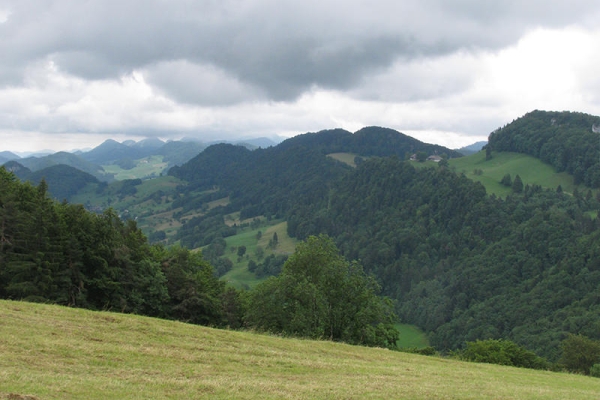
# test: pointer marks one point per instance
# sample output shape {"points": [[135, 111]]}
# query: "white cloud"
{"points": [[450, 71]]}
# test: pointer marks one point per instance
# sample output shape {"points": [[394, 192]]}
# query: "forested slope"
{"points": [[569, 141], [281, 180], [465, 266], [462, 265]]}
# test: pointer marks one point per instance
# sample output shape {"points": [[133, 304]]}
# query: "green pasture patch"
{"points": [[148, 167], [286, 244], [239, 276], [411, 337], [346, 158], [530, 169], [52, 352]]}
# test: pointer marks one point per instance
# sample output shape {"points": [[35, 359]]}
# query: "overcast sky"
{"points": [[74, 73]]}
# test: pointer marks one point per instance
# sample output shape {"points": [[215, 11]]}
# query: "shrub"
{"points": [[595, 371], [502, 352], [580, 354]]}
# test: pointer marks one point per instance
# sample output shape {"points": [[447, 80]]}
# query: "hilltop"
{"points": [[52, 352]]}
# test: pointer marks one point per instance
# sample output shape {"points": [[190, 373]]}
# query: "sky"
{"points": [[74, 73]]}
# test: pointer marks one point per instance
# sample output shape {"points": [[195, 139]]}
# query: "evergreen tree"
{"points": [[517, 185]]}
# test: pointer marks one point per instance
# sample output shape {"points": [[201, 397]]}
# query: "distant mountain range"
{"points": [[471, 149], [6, 156], [112, 152]]}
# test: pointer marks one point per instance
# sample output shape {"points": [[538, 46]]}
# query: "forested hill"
{"points": [[463, 265], [569, 141], [280, 180], [369, 141]]}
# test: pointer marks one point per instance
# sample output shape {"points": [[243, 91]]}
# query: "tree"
{"points": [[517, 185], [241, 251], [274, 241], [194, 290], [580, 353], [259, 252], [319, 294], [506, 180]]}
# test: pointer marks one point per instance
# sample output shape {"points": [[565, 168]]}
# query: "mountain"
{"points": [[368, 141], [6, 156], [64, 158], [258, 142], [179, 152], [148, 146], [471, 149], [63, 181], [110, 151], [293, 177], [18, 169]]}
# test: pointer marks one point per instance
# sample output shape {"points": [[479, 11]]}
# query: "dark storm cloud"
{"points": [[242, 50]]}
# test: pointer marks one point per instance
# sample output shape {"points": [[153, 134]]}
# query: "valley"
{"points": [[455, 248]]}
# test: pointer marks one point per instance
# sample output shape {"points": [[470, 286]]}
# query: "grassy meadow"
{"points": [[530, 169], [52, 352], [346, 158], [147, 167], [239, 276]]}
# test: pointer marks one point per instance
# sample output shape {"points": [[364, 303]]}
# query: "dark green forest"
{"points": [[463, 265]]}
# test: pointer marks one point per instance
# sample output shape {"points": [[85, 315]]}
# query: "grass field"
{"points": [[530, 169], [347, 158], [239, 276], [147, 167], [51, 352]]}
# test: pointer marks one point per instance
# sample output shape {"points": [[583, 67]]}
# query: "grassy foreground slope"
{"points": [[51, 352]]}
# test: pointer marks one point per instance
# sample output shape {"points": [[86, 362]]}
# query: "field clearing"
{"points": [[286, 244], [52, 352], [530, 169], [346, 158], [147, 167], [239, 276]]}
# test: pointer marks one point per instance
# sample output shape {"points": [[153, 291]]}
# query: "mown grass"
{"points": [[530, 169], [51, 352]]}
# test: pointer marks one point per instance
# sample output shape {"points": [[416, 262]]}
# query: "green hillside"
{"points": [[531, 170], [147, 167], [52, 352]]}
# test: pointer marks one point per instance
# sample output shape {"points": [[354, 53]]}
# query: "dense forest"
{"points": [[278, 180], [463, 265]]}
